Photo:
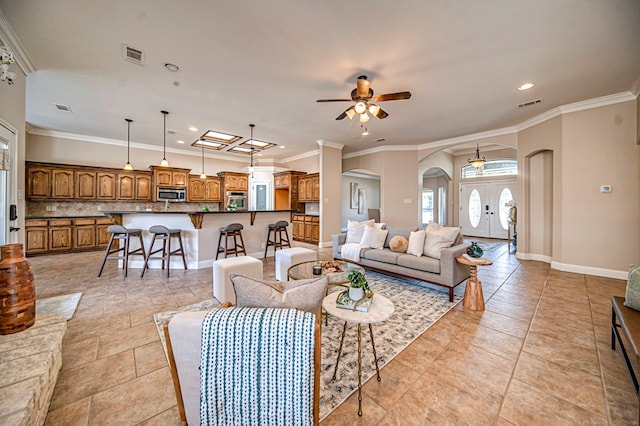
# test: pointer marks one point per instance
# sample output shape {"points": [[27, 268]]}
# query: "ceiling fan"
{"points": [[364, 100]]}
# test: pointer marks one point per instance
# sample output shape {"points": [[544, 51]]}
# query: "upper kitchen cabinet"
{"points": [[38, 182], [309, 188], [170, 177], [85, 185], [134, 186], [62, 184], [204, 190], [233, 181], [286, 190]]}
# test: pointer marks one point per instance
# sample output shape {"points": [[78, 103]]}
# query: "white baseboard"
{"points": [[325, 244], [578, 269]]}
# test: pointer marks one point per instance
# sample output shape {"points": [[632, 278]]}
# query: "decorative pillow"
{"points": [[373, 237], [355, 230], [438, 237], [632, 295], [306, 295], [380, 225], [398, 244], [416, 243]]}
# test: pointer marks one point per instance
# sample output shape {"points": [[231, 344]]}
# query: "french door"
{"points": [[7, 162], [482, 208]]}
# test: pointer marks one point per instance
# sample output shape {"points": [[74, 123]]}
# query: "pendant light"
{"points": [[164, 161], [202, 175], [128, 166], [251, 152], [478, 161]]}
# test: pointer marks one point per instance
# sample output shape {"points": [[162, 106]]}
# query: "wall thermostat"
{"points": [[605, 188]]}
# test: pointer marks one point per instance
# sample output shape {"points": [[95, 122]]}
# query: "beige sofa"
{"points": [[445, 272]]}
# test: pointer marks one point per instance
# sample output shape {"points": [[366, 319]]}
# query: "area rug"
{"points": [[64, 305], [417, 307]]}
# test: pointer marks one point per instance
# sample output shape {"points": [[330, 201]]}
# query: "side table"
{"points": [[380, 310], [473, 297]]}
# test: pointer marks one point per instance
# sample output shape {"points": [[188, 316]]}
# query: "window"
{"points": [[475, 208], [442, 205], [490, 168], [505, 197], [427, 206]]}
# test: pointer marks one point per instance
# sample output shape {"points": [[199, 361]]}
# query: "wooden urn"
{"points": [[17, 290]]}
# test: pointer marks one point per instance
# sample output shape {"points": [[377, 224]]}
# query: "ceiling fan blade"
{"points": [[391, 97], [362, 90], [382, 114], [349, 112], [333, 100]]}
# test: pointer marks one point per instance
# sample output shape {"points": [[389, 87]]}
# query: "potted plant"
{"points": [[358, 285]]}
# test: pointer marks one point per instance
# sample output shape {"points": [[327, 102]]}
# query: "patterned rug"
{"points": [[417, 307]]}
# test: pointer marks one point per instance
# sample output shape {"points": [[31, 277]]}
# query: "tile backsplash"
{"points": [[89, 208]]}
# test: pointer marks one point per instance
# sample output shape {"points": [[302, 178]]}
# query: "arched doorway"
{"points": [[434, 199]]}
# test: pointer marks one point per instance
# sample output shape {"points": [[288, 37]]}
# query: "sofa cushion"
{"points": [[373, 237], [386, 255], [393, 232], [416, 243], [632, 294], [439, 237], [422, 263], [355, 230]]}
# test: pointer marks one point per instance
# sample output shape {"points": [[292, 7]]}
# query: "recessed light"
{"points": [[282, 147], [259, 154], [171, 67], [180, 141], [193, 129], [525, 86]]}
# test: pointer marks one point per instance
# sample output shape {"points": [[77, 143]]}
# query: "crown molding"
{"points": [[335, 145], [11, 40], [385, 148], [117, 142], [635, 87], [300, 156]]}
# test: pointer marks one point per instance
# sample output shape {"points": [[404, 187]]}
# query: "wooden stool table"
{"points": [[473, 297]]}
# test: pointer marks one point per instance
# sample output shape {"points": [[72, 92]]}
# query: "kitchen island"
{"points": [[200, 232]]}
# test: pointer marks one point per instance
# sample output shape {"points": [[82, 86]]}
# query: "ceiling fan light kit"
{"points": [[361, 95]]}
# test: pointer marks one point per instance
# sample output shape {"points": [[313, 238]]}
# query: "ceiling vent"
{"points": [[530, 103], [380, 140], [63, 108], [132, 54]]}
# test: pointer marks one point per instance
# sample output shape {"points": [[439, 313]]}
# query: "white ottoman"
{"points": [[222, 268], [286, 258]]}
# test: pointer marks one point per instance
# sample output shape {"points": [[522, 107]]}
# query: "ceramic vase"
{"points": [[474, 250], [17, 290], [356, 293]]}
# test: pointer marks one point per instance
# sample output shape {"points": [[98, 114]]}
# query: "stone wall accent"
{"points": [[30, 361]]}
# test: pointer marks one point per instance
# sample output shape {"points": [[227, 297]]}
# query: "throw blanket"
{"points": [[351, 251], [257, 367]]}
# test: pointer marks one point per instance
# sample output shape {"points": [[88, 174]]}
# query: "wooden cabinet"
{"points": [[60, 234], [306, 228], [85, 185], [169, 177], [233, 181], [309, 188], [38, 182], [286, 190], [62, 184], [66, 235], [126, 186], [85, 234], [106, 186], [143, 187], [204, 190], [37, 236]]}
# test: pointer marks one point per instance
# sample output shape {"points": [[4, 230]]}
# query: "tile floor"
{"points": [[539, 354]]}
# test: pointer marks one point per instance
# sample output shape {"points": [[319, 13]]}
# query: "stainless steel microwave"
{"points": [[172, 194]]}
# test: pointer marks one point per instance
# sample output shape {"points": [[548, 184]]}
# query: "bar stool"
{"points": [[119, 232], [279, 228], [165, 234], [232, 230]]}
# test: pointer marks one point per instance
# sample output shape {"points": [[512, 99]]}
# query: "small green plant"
{"points": [[357, 280]]}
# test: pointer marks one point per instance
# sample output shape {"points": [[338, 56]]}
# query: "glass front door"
{"points": [[482, 208]]}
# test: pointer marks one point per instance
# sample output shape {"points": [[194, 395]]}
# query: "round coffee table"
{"points": [[380, 310], [304, 270]]}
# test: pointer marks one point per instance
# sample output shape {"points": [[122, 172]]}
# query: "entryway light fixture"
{"points": [[128, 166], [164, 161], [478, 161], [251, 153], [202, 175]]}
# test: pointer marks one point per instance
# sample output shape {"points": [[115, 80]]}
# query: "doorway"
{"points": [[482, 208], [260, 196], [8, 142]]}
